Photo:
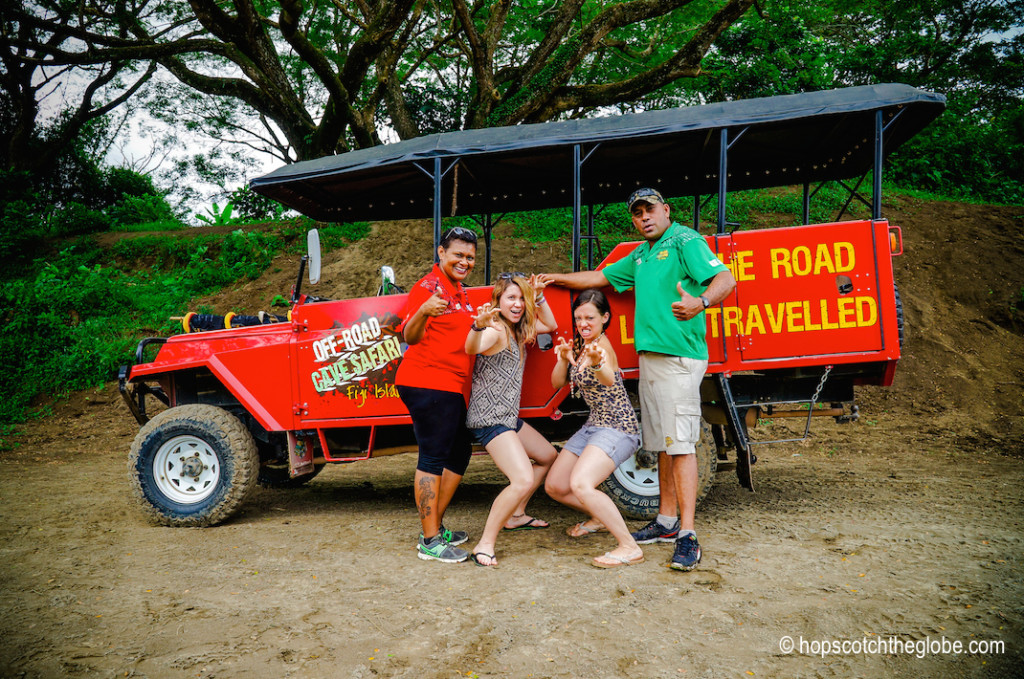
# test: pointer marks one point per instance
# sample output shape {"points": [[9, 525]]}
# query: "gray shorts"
{"points": [[616, 444], [670, 402]]}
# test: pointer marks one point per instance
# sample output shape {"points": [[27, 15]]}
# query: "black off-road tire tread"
{"points": [[707, 466], [245, 462]]}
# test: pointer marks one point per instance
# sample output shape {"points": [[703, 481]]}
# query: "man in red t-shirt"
{"points": [[433, 382]]}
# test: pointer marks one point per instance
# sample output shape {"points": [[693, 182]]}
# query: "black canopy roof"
{"points": [[775, 141]]}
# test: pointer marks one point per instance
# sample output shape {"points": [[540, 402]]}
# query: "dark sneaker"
{"points": [[454, 537], [687, 554], [655, 532], [436, 549]]}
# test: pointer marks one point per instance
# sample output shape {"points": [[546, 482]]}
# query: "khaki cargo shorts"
{"points": [[670, 402]]}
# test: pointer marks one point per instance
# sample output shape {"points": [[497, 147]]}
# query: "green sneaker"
{"points": [[454, 537], [437, 549]]}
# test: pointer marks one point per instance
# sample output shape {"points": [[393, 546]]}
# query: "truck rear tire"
{"points": [[192, 465], [634, 490]]}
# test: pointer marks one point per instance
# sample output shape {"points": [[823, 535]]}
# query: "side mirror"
{"points": [[313, 248]]}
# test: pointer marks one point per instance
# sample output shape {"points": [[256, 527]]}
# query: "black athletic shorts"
{"points": [[439, 422]]}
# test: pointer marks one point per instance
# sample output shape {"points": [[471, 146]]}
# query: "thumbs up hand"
{"points": [[435, 305], [688, 306]]}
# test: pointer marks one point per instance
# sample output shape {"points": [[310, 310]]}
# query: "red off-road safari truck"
{"points": [[815, 311]]}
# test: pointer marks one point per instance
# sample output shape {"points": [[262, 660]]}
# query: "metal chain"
{"points": [[821, 385]]}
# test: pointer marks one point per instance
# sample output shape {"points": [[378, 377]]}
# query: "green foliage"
{"points": [[163, 225], [968, 156], [218, 216], [21, 233], [253, 207], [759, 208], [79, 313], [971, 51], [133, 210], [75, 218], [338, 234], [121, 182]]}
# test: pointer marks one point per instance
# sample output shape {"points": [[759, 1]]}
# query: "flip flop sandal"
{"points": [[583, 531], [475, 556], [533, 524], [617, 561]]}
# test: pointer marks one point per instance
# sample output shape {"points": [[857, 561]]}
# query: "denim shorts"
{"points": [[485, 435], [616, 444]]}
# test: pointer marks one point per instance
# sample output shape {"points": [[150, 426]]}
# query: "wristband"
{"points": [[596, 368], [476, 329], [541, 300]]}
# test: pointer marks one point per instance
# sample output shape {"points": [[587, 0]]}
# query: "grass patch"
{"points": [[73, 317]]}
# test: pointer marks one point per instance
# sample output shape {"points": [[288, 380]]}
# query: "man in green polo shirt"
{"points": [[675, 276]]}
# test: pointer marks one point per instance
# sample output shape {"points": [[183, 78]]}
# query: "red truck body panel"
{"points": [[805, 296]]}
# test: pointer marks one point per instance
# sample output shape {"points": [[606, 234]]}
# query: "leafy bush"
{"points": [[251, 206], [336, 235], [21, 232], [148, 207], [119, 182], [218, 216], [75, 218]]}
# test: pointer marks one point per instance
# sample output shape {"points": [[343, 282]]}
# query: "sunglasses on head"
{"points": [[509, 275], [459, 233]]}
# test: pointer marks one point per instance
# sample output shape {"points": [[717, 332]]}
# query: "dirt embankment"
{"points": [[905, 526]]}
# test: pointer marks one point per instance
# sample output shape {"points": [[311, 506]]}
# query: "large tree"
{"points": [[46, 103], [302, 79], [970, 50]]}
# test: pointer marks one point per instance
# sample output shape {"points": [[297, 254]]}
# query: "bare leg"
{"points": [[449, 482], [667, 503], [559, 487], [592, 469], [508, 454], [543, 455], [557, 484], [684, 483]]}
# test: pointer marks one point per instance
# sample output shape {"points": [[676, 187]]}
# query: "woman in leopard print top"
{"points": [[610, 436]]}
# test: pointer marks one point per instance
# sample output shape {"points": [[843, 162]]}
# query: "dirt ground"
{"points": [[904, 527]]}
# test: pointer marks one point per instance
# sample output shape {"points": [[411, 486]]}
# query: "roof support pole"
{"points": [[807, 203], [876, 193], [723, 168], [488, 225], [437, 207], [696, 213], [576, 206], [590, 236]]}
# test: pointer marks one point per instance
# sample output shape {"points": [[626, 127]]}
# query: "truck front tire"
{"points": [[192, 465], [634, 490]]}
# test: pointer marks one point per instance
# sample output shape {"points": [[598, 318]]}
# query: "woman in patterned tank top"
{"points": [[500, 332], [610, 436]]}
